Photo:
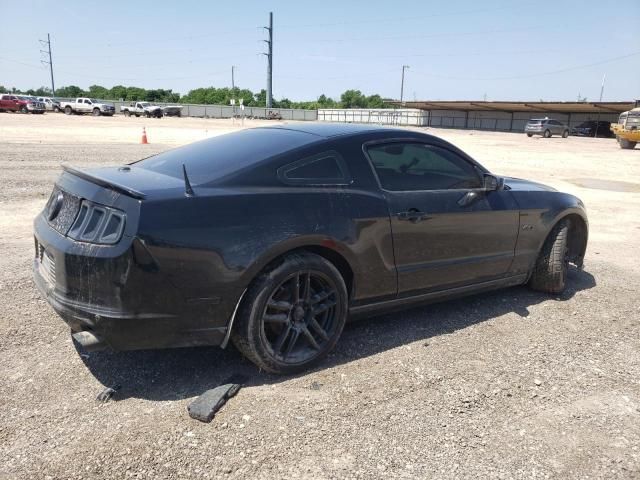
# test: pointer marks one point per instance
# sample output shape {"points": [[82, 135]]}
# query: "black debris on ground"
{"points": [[206, 405]]}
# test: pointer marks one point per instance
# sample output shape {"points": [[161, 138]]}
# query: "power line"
{"points": [[533, 75], [404, 19], [429, 35], [465, 53]]}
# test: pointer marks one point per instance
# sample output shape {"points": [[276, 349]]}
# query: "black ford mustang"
{"points": [[271, 237]]}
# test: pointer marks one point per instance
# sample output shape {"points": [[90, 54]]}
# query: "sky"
{"points": [[455, 50]]}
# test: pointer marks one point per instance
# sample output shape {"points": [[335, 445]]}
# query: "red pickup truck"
{"points": [[20, 103]]}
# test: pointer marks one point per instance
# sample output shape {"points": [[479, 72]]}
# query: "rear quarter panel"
{"points": [[216, 243]]}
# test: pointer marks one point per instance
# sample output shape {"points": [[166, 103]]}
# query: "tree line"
{"points": [[208, 95]]}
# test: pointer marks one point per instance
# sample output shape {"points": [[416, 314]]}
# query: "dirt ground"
{"points": [[512, 384]]}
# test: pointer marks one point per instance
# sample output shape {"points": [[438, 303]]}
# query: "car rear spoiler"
{"points": [[104, 183]]}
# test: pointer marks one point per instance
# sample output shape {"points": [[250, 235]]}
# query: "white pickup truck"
{"points": [[88, 105], [141, 108]]}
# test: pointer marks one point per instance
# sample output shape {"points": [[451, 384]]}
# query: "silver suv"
{"points": [[546, 127]]}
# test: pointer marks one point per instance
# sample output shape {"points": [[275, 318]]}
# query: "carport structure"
{"points": [[511, 115]]}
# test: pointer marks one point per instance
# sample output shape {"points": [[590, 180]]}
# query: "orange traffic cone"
{"points": [[144, 136]]}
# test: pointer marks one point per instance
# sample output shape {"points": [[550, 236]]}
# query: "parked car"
{"points": [[31, 104], [20, 103], [24, 104], [9, 103], [592, 127], [172, 110], [50, 103], [141, 108], [546, 127], [273, 236], [88, 105]]}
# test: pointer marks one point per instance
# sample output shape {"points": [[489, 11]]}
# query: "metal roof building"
{"points": [[510, 115]]}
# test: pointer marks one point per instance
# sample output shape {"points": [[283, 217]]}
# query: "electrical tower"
{"points": [[269, 56], [49, 62]]}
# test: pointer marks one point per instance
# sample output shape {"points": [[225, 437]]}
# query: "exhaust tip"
{"points": [[89, 341]]}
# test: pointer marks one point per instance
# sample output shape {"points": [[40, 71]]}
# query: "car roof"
{"points": [[328, 129]]}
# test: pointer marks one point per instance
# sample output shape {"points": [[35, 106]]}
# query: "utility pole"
{"points": [[601, 92], [269, 56], [233, 83], [402, 83], [47, 43]]}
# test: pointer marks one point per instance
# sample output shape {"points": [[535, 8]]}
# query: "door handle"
{"points": [[413, 215]]}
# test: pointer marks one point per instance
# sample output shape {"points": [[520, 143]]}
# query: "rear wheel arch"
{"points": [[334, 257]]}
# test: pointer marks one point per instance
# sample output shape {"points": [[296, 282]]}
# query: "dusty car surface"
{"points": [[271, 237]]}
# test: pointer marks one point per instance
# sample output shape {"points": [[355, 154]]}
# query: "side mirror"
{"points": [[492, 182]]}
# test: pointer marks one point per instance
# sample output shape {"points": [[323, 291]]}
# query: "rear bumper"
{"points": [[121, 303], [114, 328]]}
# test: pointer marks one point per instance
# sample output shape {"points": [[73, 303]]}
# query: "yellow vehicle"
{"points": [[627, 130]]}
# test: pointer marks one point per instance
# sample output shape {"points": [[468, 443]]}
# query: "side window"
{"points": [[326, 168], [416, 166]]}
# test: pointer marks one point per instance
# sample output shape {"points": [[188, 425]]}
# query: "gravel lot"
{"points": [[512, 384]]}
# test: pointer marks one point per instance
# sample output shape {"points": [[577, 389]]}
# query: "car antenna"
{"points": [[187, 185]]}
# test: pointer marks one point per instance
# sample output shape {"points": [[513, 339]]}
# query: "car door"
{"points": [[9, 102], [447, 230], [558, 127]]}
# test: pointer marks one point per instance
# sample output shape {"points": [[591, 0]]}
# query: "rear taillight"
{"points": [[97, 224]]}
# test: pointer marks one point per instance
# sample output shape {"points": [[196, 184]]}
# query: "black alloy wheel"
{"points": [[293, 314]]}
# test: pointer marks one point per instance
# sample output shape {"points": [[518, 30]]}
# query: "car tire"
{"points": [[56, 109], [529, 135], [67, 110], [551, 267], [277, 329], [127, 113], [626, 144], [95, 112], [24, 110], [547, 134], [565, 134]]}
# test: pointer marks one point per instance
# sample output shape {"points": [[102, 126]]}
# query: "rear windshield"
{"points": [[217, 157], [535, 122]]}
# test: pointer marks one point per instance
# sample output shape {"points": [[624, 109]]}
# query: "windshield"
{"points": [[218, 157], [144, 104]]}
